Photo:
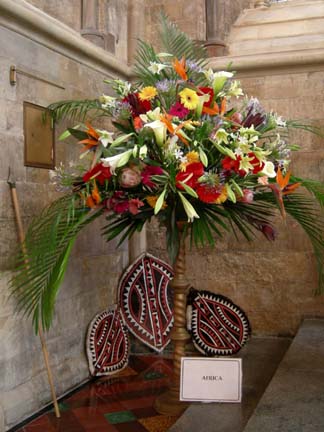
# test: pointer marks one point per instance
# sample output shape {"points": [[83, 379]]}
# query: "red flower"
{"points": [[210, 91], [137, 105], [99, 172], [148, 172], [190, 176], [207, 194], [138, 124], [179, 110], [134, 205], [258, 165], [230, 164]]}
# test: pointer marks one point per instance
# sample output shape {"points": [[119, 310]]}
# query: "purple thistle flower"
{"points": [[165, 85]]}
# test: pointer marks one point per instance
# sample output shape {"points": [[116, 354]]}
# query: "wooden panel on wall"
{"points": [[39, 137]]}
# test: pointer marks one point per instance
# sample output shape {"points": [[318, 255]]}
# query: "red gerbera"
{"points": [[179, 110], [99, 172]]}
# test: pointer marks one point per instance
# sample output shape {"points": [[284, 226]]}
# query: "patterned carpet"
{"points": [[122, 403]]}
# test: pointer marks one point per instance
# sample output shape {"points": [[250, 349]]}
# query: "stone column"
{"points": [[90, 23], [215, 46], [136, 26]]}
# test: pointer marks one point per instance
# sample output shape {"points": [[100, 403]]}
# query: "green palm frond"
{"points": [[315, 187], [145, 54], [176, 43], [310, 217], [75, 109], [42, 264], [306, 126], [179, 44]]}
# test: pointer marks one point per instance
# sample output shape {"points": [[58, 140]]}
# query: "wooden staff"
{"points": [[21, 236]]}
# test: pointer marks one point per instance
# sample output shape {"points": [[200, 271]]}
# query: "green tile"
{"points": [[120, 417], [153, 375]]}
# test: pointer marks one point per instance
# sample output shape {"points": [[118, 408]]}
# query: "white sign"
{"points": [[211, 379]]}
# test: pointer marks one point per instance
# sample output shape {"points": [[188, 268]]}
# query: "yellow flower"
{"points": [[151, 201], [148, 93], [192, 156], [189, 98], [222, 197]]}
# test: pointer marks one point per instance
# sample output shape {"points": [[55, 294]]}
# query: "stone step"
{"points": [[261, 357], [294, 400]]}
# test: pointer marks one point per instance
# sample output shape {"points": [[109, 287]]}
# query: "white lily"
{"points": [[220, 79], [159, 129], [189, 208], [117, 161], [105, 137], [156, 68], [269, 170], [151, 115], [202, 99]]}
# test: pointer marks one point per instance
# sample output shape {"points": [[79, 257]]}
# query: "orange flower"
{"points": [[95, 198], [282, 188], [211, 111], [180, 68], [93, 138]]}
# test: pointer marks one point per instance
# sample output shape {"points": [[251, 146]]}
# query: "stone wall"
{"points": [[273, 282], [190, 16], [95, 266]]}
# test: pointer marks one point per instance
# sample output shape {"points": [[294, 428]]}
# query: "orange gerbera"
{"points": [[180, 68]]}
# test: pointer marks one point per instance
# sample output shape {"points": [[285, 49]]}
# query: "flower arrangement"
{"points": [[186, 145]]}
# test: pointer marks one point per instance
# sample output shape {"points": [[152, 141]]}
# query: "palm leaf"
{"points": [[179, 44], [75, 109], [310, 217], [42, 264]]}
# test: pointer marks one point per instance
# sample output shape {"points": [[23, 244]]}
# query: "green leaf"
{"points": [[159, 202], [42, 264], [231, 195], [121, 139], [189, 190]]}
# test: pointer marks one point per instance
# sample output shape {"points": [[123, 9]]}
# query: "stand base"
{"points": [[168, 403]]}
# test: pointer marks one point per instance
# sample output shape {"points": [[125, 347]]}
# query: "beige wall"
{"points": [[95, 266]]}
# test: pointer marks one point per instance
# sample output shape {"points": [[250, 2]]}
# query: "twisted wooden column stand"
{"points": [[168, 403]]}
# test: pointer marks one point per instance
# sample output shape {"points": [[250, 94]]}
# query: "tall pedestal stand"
{"points": [[168, 403]]}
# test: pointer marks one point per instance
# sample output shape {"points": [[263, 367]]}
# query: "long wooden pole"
{"points": [[21, 236], [169, 403]]}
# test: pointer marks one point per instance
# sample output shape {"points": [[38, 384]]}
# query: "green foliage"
{"points": [[43, 262], [76, 110]]}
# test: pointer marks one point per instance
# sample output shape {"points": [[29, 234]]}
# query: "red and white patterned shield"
{"points": [[218, 326], [144, 301], [107, 343]]}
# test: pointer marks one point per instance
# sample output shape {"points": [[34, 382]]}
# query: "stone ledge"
{"points": [[25, 19], [270, 61]]}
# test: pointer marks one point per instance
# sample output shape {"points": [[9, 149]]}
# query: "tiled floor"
{"points": [[120, 403]]}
